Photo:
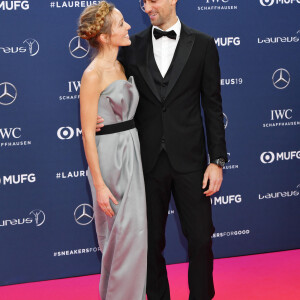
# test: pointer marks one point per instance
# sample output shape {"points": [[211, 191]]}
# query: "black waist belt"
{"points": [[117, 127]]}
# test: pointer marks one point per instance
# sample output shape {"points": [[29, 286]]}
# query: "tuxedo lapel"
{"points": [[182, 53], [143, 65]]}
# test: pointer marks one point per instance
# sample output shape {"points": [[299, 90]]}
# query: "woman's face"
{"points": [[119, 31]]}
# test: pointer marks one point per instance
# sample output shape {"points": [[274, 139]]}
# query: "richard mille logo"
{"points": [[78, 48], [281, 78], [8, 93], [84, 214]]}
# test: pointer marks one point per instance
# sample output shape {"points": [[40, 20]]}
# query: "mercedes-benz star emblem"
{"points": [[8, 93], [78, 48], [225, 121], [84, 214], [281, 78], [39, 216], [142, 5]]}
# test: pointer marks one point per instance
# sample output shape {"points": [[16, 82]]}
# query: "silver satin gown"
{"points": [[122, 238]]}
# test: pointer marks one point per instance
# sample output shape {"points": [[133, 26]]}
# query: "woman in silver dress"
{"points": [[115, 170]]}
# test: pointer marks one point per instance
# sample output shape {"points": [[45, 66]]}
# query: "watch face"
{"points": [[222, 162]]}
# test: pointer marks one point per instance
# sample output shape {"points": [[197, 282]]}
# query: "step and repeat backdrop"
{"points": [[46, 218]]}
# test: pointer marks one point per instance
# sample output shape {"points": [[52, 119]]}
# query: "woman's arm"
{"points": [[89, 97]]}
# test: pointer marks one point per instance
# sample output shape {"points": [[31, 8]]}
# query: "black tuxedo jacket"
{"points": [[178, 118]]}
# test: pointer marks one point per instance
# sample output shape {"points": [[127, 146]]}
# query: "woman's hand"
{"points": [[103, 195]]}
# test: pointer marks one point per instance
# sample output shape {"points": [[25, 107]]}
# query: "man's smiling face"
{"points": [[160, 12]]}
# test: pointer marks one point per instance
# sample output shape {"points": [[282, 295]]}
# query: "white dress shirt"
{"points": [[164, 48]]}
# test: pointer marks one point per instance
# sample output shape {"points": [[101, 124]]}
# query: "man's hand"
{"points": [[214, 174], [99, 124]]}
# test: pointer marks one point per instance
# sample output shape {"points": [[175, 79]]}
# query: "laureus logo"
{"points": [[33, 46], [39, 216]]}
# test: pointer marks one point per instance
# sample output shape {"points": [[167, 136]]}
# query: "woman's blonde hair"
{"points": [[95, 20]]}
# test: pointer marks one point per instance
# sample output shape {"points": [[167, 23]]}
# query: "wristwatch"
{"points": [[219, 162]]}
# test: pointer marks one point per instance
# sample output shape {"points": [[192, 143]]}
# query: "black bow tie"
{"points": [[159, 33]]}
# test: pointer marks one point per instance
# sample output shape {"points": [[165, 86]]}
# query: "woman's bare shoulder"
{"points": [[92, 79]]}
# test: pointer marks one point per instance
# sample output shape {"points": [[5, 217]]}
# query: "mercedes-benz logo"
{"points": [[39, 216], [142, 5], [84, 214], [225, 121], [281, 78], [8, 93], [267, 2], [33, 45], [78, 48]]}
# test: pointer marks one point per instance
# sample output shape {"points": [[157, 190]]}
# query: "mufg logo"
{"points": [[271, 2], [18, 179], [227, 41], [269, 157], [67, 132], [14, 5]]}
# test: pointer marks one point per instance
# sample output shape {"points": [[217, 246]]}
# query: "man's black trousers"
{"points": [[194, 210]]}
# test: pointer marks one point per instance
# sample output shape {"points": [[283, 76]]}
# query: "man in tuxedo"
{"points": [[173, 65]]}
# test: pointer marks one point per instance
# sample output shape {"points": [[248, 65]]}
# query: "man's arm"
{"points": [[211, 101]]}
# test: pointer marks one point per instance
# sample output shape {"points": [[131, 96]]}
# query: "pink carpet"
{"points": [[272, 276]]}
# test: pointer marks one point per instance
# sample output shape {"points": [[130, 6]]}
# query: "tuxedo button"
{"points": [[163, 140], [164, 109], [163, 98], [164, 84]]}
